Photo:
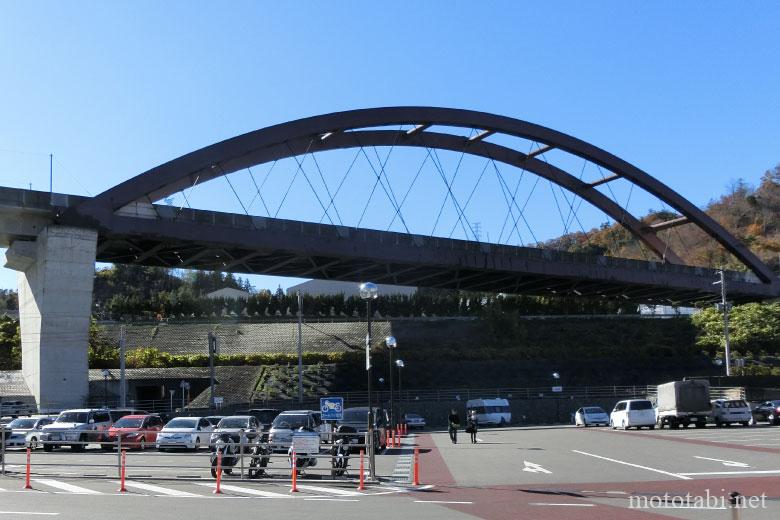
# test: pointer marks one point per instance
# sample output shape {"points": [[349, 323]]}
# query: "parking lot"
{"points": [[533, 472]]}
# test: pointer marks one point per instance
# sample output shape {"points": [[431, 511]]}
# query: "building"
{"points": [[228, 293], [331, 287]]}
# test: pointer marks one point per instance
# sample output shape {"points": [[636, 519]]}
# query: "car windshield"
{"points": [[23, 424], [359, 415], [594, 410], [183, 423], [214, 420], [127, 422], [73, 417], [641, 405], [233, 422], [290, 421]]}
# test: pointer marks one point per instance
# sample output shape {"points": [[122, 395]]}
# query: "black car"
{"points": [[767, 411]]}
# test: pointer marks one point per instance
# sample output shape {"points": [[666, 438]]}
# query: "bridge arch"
{"points": [[357, 128]]}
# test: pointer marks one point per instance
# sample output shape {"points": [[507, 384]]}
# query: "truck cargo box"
{"points": [[691, 396]]}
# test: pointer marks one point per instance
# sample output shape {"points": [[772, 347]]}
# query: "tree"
{"points": [[753, 327]]}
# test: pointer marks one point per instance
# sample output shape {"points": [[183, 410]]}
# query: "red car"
{"points": [[137, 431]]}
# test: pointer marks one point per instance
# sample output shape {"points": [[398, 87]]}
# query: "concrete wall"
{"points": [[55, 298]]}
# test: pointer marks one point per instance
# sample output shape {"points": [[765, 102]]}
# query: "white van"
{"points": [[633, 413], [490, 411]]}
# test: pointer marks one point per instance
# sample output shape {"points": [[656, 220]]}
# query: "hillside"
{"points": [[750, 213]]}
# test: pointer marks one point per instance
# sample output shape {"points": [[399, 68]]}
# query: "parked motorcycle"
{"points": [[228, 449], [341, 450], [261, 454]]}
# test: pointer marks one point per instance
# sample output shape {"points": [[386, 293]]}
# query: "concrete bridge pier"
{"points": [[56, 274]]}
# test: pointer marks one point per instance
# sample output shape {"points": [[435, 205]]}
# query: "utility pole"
{"points": [[122, 380], [212, 353], [300, 347], [724, 304], [51, 173]]}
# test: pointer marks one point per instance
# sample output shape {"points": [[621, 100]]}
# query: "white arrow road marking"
{"points": [[532, 467], [725, 462]]}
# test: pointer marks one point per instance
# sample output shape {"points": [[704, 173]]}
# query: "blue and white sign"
{"points": [[332, 408]]}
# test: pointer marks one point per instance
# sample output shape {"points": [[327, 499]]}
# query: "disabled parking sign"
{"points": [[332, 408]]}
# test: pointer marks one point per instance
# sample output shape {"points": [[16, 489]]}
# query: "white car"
{"points": [[590, 415], [633, 413], [26, 431], [414, 420], [184, 432], [729, 411]]}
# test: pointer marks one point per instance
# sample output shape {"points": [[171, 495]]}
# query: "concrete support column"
{"points": [[56, 274]]}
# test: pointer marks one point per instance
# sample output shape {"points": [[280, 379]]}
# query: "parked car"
{"points": [[76, 428], [214, 419], [26, 432], [14, 409], [633, 413], [414, 420], [731, 411], [591, 415], [357, 418], [241, 428], [184, 432], [768, 411], [283, 426], [135, 431], [495, 412], [118, 413]]}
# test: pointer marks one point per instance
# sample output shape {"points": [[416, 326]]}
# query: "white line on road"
{"points": [[747, 472], [440, 502], [78, 490], [247, 491], [560, 505], [159, 489], [725, 462], [333, 499], [675, 475], [26, 513], [328, 490], [532, 467]]}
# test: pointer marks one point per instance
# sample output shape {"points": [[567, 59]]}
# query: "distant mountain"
{"points": [[750, 213]]}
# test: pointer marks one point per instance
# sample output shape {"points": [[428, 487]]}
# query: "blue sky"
{"points": [[686, 91]]}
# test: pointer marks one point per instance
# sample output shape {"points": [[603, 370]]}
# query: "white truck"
{"points": [[682, 403]]}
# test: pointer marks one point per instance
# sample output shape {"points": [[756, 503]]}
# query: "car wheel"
{"points": [[612, 425], [624, 425], [771, 418], [702, 424], [142, 444], [718, 423], [502, 423], [33, 443], [746, 423], [197, 443], [81, 446], [652, 426]]}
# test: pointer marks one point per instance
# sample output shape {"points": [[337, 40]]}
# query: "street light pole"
{"points": [[400, 364], [391, 345], [725, 306], [368, 292]]}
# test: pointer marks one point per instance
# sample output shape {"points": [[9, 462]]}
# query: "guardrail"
{"points": [[245, 459]]}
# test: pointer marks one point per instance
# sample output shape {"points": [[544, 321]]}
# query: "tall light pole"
{"points": [[400, 364], [724, 304], [391, 346], [368, 292], [106, 375]]}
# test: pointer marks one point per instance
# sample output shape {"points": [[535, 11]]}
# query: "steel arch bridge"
{"points": [[134, 229]]}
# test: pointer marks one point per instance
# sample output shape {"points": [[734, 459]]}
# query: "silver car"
{"points": [[26, 432], [282, 428]]}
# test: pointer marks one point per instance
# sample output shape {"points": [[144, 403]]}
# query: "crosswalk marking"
{"points": [[64, 486], [159, 489], [332, 491], [247, 491]]}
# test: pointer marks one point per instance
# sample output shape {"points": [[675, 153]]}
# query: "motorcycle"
{"points": [[261, 454], [341, 450], [225, 447]]}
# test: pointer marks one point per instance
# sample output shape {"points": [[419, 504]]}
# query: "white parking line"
{"points": [[78, 490], [159, 489], [675, 475], [747, 472], [559, 504], [328, 490], [440, 502], [26, 513], [246, 491]]}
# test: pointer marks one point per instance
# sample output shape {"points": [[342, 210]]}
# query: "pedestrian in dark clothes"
{"points": [[471, 426], [454, 422]]}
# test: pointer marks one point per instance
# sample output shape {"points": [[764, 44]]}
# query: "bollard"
{"points": [[391, 439], [416, 473], [123, 464], [362, 486], [241, 453], [735, 504], [218, 489], [294, 488], [27, 473]]}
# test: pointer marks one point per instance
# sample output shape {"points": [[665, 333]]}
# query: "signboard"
{"points": [[332, 408], [219, 400], [557, 389], [305, 443]]}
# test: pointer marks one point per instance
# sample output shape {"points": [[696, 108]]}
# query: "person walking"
{"points": [[471, 426], [454, 422]]}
